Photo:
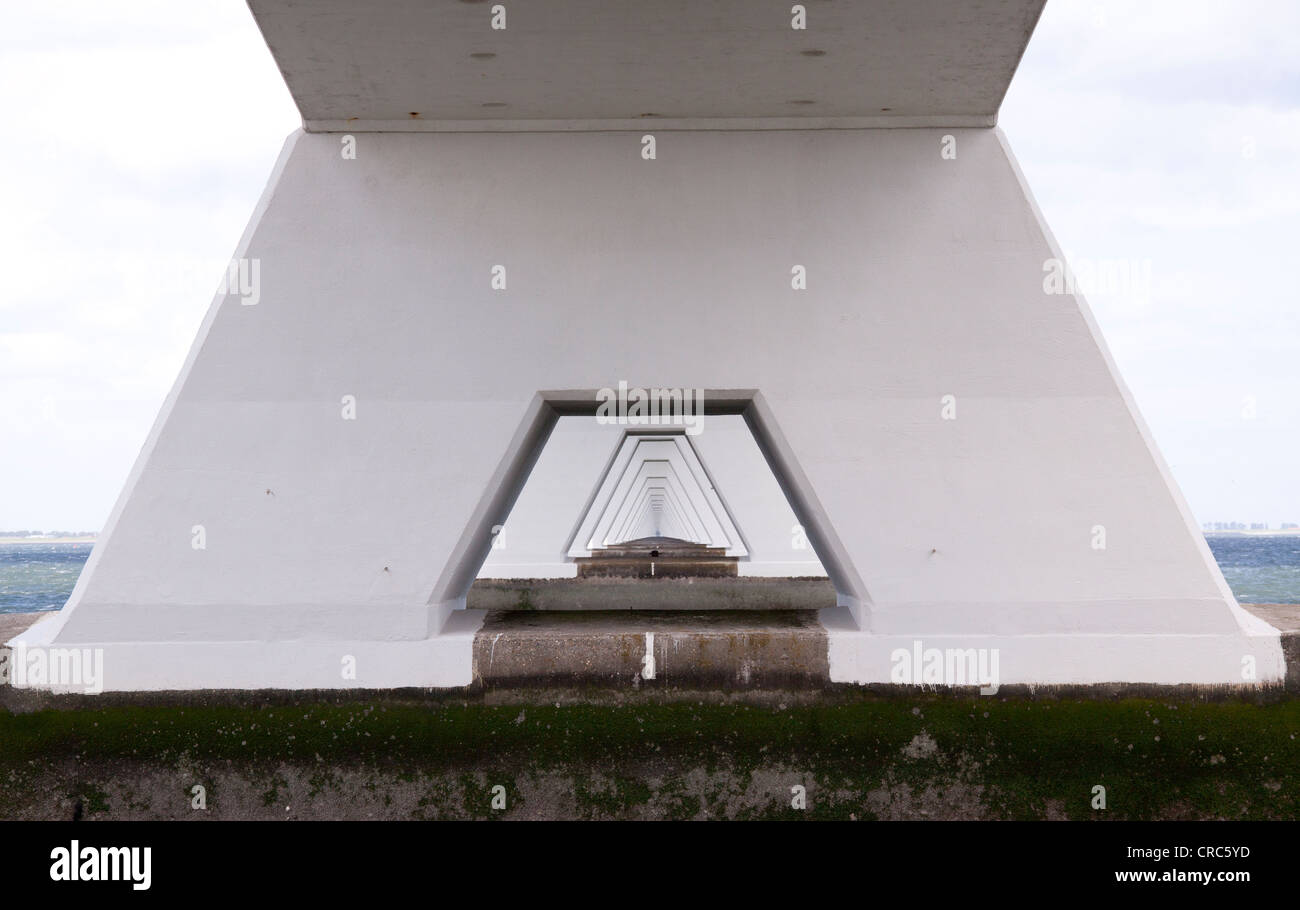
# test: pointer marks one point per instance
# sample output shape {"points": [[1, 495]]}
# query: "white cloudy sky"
{"points": [[137, 137]]}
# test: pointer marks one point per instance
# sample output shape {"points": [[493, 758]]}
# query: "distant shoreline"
{"points": [[5, 540], [1273, 532]]}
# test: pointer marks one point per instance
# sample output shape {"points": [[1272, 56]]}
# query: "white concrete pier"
{"points": [[478, 229]]}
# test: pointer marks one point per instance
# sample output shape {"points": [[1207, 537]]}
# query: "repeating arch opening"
{"points": [[655, 484]]}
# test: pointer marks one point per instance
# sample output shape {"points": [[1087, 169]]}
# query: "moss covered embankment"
{"points": [[394, 756]]}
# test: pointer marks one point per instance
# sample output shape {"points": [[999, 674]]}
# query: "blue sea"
{"points": [[1260, 570], [40, 576]]}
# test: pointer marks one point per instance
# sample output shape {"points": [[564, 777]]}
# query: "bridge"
{"points": [[805, 213]]}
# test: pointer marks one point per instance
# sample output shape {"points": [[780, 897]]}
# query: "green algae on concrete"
{"points": [[928, 756]]}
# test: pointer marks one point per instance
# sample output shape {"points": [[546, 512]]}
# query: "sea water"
{"points": [[1259, 569]]}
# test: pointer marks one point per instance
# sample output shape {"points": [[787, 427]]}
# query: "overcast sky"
{"points": [[137, 137]]}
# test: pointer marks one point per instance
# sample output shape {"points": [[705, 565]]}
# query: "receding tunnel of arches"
{"points": [[591, 514]]}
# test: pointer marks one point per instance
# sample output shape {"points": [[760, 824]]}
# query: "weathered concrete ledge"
{"points": [[776, 649], [693, 594], [1286, 619], [759, 657], [13, 623]]}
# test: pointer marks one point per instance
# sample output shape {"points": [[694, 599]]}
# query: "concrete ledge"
{"points": [[1286, 619], [26, 701], [440, 661], [693, 594], [727, 650], [593, 655], [12, 624], [1283, 617]]}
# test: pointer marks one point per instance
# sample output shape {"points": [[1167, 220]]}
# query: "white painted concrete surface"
{"points": [[327, 536], [657, 488], [562, 64], [565, 499]]}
